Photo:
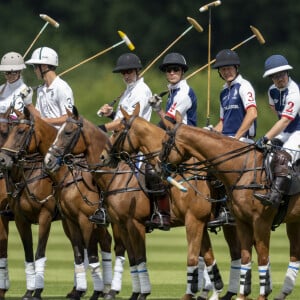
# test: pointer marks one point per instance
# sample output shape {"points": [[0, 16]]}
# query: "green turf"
{"points": [[166, 264]]}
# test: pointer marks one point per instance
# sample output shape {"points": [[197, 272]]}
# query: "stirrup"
{"points": [[99, 217]]}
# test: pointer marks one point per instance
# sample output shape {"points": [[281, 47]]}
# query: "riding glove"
{"points": [[155, 102], [262, 142], [26, 95]]}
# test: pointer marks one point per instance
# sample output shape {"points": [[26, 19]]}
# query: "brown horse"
{"points": [[240, 167], [34, 201], [4, 217], [130, 210], [191, 207]]}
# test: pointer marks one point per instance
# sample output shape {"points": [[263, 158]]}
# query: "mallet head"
{"points": [[258, 35], [49, 20], [127, 41], [195, 24], [211, 4]]}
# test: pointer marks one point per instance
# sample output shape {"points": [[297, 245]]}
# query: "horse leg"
{"points": [[4, 275], [211, 268], [293, 233], [105, 241], [80, 283], [194, 232], [234, 246], [119, 248], [245, 235], [94, 264], [25, 232]]}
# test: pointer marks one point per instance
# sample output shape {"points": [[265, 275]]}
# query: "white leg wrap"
{"points": [[4, 276], [116, 283], [107, 269], [201, 266], [85, 259], [144, 278], [190, 272], [244, 269], [40, 272], [234, 276], [30, 276], [265, 281], [97, 276], [136, 286], [207, 284], [81, 283], [290, 277]]}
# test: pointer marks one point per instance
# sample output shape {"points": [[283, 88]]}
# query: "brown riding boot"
{"points": [[281, 164], [161, 217]]}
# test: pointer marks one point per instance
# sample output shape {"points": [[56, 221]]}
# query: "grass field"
{"points": [[166, 263]]}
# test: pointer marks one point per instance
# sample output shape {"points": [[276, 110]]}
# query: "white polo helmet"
{"points": [[12, 61], [43, 56]]}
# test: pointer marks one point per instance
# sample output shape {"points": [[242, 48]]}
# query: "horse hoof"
{"points": [[111, 295], [75, 295], [28, 295], [281, 296], [96, 295], [143, 296], [134, 296], [228, 296]]}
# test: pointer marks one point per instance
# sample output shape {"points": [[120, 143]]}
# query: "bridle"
{"points": [[22, 151], [64, 154], [209, 165]]}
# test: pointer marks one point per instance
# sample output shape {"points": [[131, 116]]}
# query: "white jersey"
{"points": [[10, 95], [138, 92], [52, 101]]}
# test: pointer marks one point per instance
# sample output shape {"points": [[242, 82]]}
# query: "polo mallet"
{"points": [[202, 9], [194, 24], [125, 40], [48, 21], [256, 33]]}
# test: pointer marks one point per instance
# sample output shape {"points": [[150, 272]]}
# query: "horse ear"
{"points": [[73, 113], [124, 112], [178, 117], [136, 111], [25, 111]]}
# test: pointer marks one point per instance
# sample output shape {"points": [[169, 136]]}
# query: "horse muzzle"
{"points": [[6, 162]]}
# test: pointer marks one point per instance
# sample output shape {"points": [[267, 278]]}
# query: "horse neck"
{"points": [[95, 142], [205, 145], [148, 136], [46, 135]]}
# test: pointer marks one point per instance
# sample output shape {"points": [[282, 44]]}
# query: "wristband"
{"points": [[102, 126]]}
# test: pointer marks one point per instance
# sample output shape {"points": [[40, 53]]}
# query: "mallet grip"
{"points": [[176, 184], [49, 20]]}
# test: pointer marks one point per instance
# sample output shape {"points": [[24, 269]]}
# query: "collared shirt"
{"points": [[183, 99], [137, 92], [234, 102], [287, 103], [52, 101], [10, 95]]}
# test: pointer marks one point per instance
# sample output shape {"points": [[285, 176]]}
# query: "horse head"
{"points": [[19, 141], [172, 151], [77, 135]]}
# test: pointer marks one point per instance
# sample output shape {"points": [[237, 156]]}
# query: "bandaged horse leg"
{"points": [[204, 282], [4, 275], [245, 279], [281, 171], [144, 278], [39, 276], [107, 270], [215, 277], [160, 197], [97, 278], [30, 279], [265, 280], [81, 282], [116, 283], [289, 281]]}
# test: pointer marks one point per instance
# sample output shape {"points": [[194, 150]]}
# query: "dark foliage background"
{"points": [[87, 27]]}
